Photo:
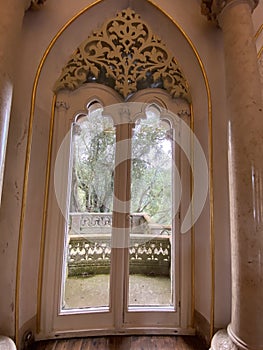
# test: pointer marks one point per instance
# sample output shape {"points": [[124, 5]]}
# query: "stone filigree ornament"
{"points": [[126, 56]]}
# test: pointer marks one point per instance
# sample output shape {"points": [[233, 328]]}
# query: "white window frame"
{"points": [[71, 323]]}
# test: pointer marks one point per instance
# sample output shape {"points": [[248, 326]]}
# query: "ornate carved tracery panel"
{"points": [[125, 55]]}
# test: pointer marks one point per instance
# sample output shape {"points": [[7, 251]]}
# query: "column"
{"points": [[7, 343], [245, 164]]}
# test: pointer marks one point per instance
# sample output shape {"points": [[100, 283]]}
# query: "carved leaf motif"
{"points": [[126, 56], [36, 4]]}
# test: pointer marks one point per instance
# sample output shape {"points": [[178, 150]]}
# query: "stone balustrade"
{"points": [[90, 254], [89, 245], [101, 223]]}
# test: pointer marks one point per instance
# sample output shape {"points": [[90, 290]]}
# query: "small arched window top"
{"points": [[153, 110], [94, 106]]}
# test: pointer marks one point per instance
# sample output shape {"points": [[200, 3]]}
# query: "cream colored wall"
{"points": [[38, 30]]}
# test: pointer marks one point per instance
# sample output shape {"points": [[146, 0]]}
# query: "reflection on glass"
{"points": [[151, 212], [86, 280]]}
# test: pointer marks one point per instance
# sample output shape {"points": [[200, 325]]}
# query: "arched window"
{"points": [[120, 264], [106, 168]]}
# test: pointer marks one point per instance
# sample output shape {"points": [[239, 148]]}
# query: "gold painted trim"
{"points": [[192, 228], [211, 182], [27, 162], [44, 216], [260, 52], [256, 36], [258, 32], [26, 167], [23, 211], [212, 233]]}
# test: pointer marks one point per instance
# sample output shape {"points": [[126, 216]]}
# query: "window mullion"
{"points": [[121, 222], [122, 181]]}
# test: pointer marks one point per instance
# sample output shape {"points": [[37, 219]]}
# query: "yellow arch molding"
{"points": [[258, 32], [260, 52], [27, 163]]}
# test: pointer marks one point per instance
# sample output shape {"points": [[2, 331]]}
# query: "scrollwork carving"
{"points": [[126, 56], [206, 9], [96, 221]]}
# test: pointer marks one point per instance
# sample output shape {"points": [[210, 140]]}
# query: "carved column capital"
{"points": [[34, 4], [212, 8], [62, 105]]}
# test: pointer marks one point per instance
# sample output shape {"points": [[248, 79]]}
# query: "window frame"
{"points": [[52, 322]]}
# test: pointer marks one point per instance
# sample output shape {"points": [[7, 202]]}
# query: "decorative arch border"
{"points": [[257, 36], [27, 166]]}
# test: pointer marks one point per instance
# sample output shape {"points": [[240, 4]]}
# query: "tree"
{"points": [[93, 167]]}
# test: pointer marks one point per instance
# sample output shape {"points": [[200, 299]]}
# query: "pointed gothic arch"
{"points": [[42, 93]]}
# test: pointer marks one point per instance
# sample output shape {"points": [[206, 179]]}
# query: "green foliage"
{"points": [[93, 167], [151, 171]]}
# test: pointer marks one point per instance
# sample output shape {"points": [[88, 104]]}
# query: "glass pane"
{"points": [[90, 212], [151, 212]]}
